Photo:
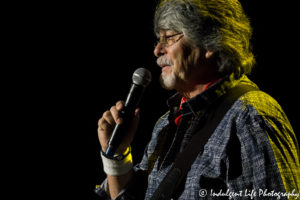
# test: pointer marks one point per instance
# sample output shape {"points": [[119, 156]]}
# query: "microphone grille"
{"points": [[142, 77]]}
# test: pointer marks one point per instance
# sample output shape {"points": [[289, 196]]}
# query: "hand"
{"points": [[106, 125]]}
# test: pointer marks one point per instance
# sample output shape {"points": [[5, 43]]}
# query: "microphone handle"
{"points": [[120, 130]]}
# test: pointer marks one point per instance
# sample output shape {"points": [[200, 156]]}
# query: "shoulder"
{"points": [[257, 114], [262, 104]]}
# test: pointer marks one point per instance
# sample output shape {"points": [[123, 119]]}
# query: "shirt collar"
{"points": [[209, 96]]}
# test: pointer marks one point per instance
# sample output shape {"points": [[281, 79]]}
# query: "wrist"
{"points": [[118, 156], [119, 164]]}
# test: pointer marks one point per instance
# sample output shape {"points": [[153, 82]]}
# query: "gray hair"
{"points": [[220, 26]]}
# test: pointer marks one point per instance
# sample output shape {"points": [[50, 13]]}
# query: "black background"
{"points": [[69, 62]]}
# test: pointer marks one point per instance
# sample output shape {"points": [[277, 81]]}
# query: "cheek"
{"points": [[186, 61], [181, 66]]}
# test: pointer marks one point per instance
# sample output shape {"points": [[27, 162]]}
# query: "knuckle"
{"points": [[113, 109], [100, 121], [106, 114], [119, 103], [115, 114], [104, 126]]}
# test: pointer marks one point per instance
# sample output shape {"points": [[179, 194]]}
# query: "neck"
{"points": [[193, 91], [196, 89]]}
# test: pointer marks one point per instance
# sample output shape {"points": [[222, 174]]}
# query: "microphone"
{"points": [[140, 79]]}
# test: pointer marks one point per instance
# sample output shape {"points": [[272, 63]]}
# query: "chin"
{"points": [[168, 81]]}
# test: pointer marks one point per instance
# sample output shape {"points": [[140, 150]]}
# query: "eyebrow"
{"points": [[172, 35]]}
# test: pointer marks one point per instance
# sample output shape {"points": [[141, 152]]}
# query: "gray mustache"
{"points": [[162, 61]]}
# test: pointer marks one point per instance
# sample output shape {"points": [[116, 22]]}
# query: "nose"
{"points": [[159, 50]]}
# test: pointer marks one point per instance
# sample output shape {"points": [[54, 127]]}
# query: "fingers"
{"points": [[107, 122], [111, 117], [115, 113], [104, 125], [120, 105]]}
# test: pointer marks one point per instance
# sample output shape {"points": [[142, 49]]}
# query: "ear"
{"points": [[209, 54]]}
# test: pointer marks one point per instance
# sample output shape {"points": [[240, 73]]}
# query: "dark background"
{"points": [[72, 61]]}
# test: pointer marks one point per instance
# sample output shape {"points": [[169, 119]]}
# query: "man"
{"points": [[204, 52]]}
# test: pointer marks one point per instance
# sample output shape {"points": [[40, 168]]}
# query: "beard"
{"points": [[168, 81], [172, 80]]}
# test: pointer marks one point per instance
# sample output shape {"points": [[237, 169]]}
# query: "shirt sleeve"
{"points": [[269, 155], [135, 190], [102, 190]]}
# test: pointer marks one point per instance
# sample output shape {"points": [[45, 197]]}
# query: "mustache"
{"points": [[163, 61]]}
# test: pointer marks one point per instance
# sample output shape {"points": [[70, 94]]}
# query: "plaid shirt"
{"points": [[252, 154]]}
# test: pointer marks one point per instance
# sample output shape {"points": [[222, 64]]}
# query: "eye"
{"points": [[169, 36]]}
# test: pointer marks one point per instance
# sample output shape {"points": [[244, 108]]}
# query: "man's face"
{"points": [[167, 59], [182, 65]]}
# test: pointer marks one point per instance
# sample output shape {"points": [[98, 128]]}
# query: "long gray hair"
{"points": [[220, 26]]}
